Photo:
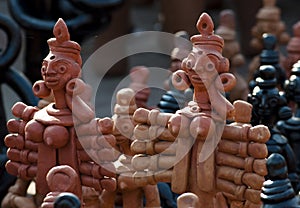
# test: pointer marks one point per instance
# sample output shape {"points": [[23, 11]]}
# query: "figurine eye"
{"points": [[273, 102], [195, 109], [291, 85], [43, 69], [210, 66], [190, 61], [212, 63], [62, 69], [255, 101]]}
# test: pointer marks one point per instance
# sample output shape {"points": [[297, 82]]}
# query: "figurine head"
{"points": [[63, 62], [277, 168], [205, 62], [268, 104], [292, 85], [227, 31], [180, 51], [269, 54]]}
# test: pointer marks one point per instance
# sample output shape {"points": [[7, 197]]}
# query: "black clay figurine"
{"points": [[277, 190], [291, 127], [270, 106]]}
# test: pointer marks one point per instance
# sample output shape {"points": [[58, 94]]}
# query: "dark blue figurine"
{"points": [[291, 127], [277, 191], [270, 56], [67, 200], [270, 106]]}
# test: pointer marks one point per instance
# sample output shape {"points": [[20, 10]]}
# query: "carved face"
{"points": [[58, 69], [266, 103], [201, 68]]}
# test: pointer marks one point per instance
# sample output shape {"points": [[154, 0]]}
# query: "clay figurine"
{"points": [[231, 50], [268, 56], [292, 49], [269, 107], [175, 99], [277, 190], [139, 76], [268, 20], [184, 148], [188, 200], [42, 140], [291, 127], [127, 194], [60, 179]]}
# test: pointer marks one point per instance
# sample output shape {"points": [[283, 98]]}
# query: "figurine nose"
{"points": [[263, 103], [50, 69], [203, 62], [199, 68]]}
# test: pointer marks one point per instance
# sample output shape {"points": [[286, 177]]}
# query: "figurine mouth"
{"points": [[51, 81], [197, 80], [264, 112]]}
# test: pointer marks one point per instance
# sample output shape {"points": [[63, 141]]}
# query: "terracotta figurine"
{"points": [[175, 99], [127, 194], [268, 20], [194, 149], [42, 140], [292, 49], [139, 76], [231, 50]]}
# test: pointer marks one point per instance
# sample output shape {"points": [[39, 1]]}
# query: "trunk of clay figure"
{"points": [[47, 160], [107, 199], [50, 157], [202, 176], [133, 199], [152, 196], [67, 155]]}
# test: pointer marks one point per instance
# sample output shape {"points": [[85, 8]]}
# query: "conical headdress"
{"points": [[62, 43]]}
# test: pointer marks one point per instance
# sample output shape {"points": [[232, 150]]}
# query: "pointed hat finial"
{"points": [[207, 39], [62, 43], [294, 43], [60, 31]]}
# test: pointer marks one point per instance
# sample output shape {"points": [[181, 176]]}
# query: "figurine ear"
{"points": [[75, 87], [224, 65], [180, 80], [228, 82], [40, 89], [285, 113]]}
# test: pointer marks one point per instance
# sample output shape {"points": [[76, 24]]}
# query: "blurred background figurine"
{"points": [[268, 56], [268, 20], [175, 99], [291, 127], [292, 50], [232, 51], [270, 106], [277, 190]]}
